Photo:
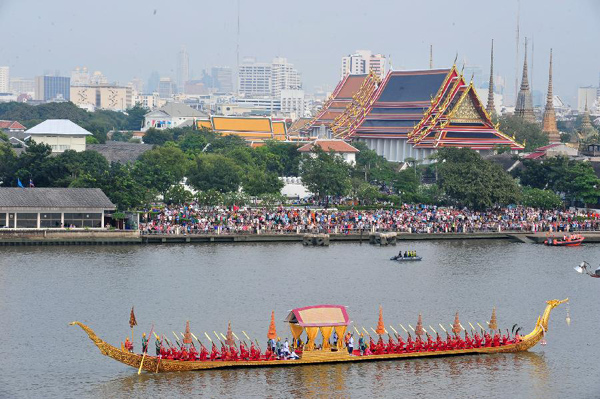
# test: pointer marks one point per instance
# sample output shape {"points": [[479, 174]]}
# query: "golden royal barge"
{"points": [[312, 319]]}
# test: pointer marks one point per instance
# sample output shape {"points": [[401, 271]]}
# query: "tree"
{"points": [[537, 198], [258, 182], [122, 136], [326, 174], [470, 180], [158, 137], [214, 171], [193, 143], [91, 140], [30, 164], [530, 133], [178, 195], [135, 117], [161, 168], [374, 168], [8, 160]]}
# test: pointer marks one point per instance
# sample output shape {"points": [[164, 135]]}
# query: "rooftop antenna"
{"points": [[517, 54], [237, 47], [532, 53], [431, 56]]}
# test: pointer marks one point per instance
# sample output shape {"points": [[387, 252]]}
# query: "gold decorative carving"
{"points": [[154, 365]]}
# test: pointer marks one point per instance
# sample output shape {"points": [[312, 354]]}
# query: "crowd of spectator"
{"points": [[195, 219]]}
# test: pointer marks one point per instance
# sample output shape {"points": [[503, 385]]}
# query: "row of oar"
{"points": [[196, 338], [414, 331]]}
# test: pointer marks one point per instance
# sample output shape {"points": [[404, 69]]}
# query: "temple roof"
{"points": [[329, 145], [319, 316]]}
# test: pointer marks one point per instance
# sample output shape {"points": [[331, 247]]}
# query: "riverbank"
{"points": [[126, 237]]}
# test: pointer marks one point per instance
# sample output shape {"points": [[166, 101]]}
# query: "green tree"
{"points": [[135, 117], [544, 199], [161, 168], [470, 180], [122, 136], [30, 164], [258, 182], [216, 172], [91, 140], [177, 194], [530, 133], [158, 137], [326, 174], [8, 161]]}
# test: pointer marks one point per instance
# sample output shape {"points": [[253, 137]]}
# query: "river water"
{"points": [[42, 289]]}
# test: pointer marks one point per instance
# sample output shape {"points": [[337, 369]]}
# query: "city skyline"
{"points": [[313, 42]]}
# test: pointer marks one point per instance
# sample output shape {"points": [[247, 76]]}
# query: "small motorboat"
{"points": [[574, 240], [406, 258]]}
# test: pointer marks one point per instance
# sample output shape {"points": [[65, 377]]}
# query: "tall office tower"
{"points": [[4, 79], [254, 78], [284, 76], [222, 79], [183, 68], [363, 61], [49, 88]]}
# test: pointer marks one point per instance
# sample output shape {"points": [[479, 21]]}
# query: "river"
{"points": [[42, 289]]}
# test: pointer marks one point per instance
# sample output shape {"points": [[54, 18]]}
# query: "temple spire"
{"points": [[431, 56], [524, 107], [491, 108], [549, 121], [587, 129]]}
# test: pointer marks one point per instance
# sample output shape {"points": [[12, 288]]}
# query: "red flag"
{"points": [[132, 321]]}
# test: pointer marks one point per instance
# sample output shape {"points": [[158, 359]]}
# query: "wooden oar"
{"points": [[236, 337], [432, 329], [244, 332], [393, 329], [443, 328], [480, 326], [411, 327], [211, 341], [473, 328], [217, 335], [176, 337], [374, 332], [365, 330], [355, 329], [405, 330]]}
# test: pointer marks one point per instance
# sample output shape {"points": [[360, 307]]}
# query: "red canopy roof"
{"points": [[319, 316]]}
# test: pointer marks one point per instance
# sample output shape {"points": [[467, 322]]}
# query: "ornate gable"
{"points": [[466, 111]]}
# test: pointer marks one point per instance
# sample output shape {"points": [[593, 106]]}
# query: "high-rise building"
{"points": [[183, 68], [80, 76], [137, 85], [284, 76], [222, 79], [4, 79], [362, 62], [111, 97], [254, 79], [586, 95], [22, 86], [166, 88], [292, 101], [48, 88], [262, 79], [153, 80]]}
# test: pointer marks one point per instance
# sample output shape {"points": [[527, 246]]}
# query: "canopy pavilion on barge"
{"points": [[411, 114], [323, 318]]}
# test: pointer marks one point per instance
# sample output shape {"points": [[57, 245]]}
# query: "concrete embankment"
{"points": [[68, 237], [106, 237]]}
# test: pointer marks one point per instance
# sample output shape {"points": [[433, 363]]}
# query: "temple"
{"points": [[549, 122], [411, 114], [524, 106], [490, 106]]}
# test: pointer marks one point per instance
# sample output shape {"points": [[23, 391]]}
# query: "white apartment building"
{"points": [[150, 101], [264, 79], [363, 61], [22, 86], [4, 79], [284, 76], [292, 102]]}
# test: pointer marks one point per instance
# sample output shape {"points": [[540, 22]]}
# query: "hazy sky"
{"points": [[131, 38]]}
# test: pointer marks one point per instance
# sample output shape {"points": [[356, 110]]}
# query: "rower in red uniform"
{"points": [[214, 354], [460, 343], [243, 352], [128, 345], [468, 340], [504, 339], [254, 353], [440, 345], [380, 350], [372, 346], [430, 344], [449, 342], [193, 353], [184, 354], [496, 340], [401, 344], [233, 353], [418, 344], [477, 340], [391, 346], [203, 353], [410, 346], [488, 340]]}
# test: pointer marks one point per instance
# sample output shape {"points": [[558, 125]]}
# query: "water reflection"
{"points": [[368, 379]]}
